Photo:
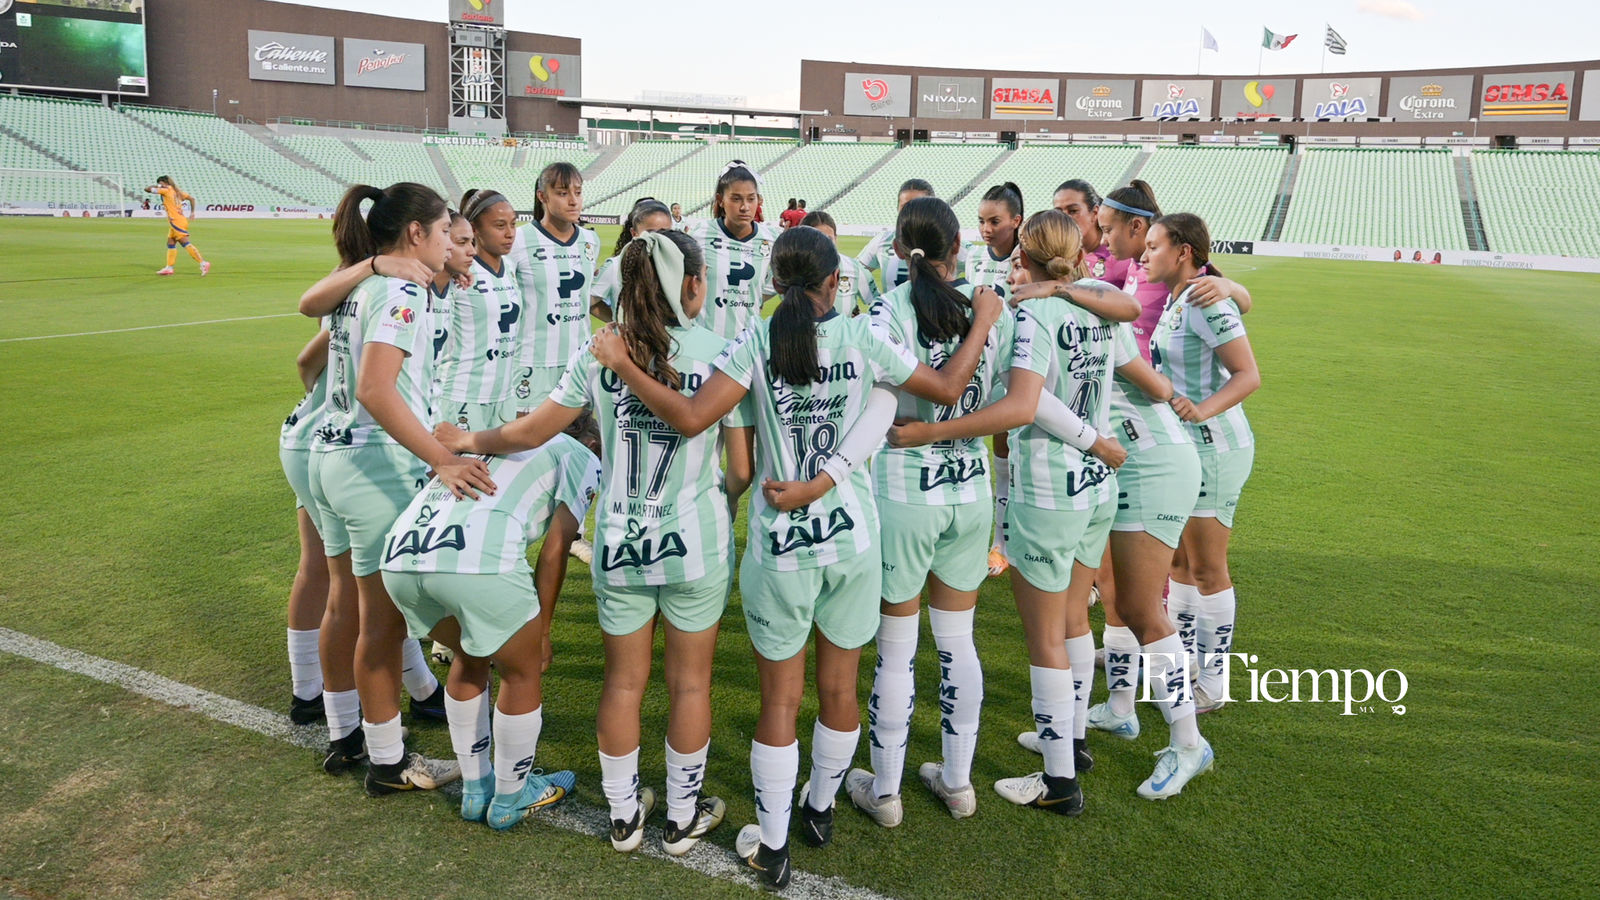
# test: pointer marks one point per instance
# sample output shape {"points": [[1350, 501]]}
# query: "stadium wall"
{"points": [[197, 46], [1120, 97]]}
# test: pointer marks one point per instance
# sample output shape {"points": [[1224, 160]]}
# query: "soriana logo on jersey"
{"points": [[875, 94], [1528, 96], [384, 64], [1011, 98]]}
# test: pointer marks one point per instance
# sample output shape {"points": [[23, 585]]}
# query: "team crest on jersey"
{"points": [[1099, 268], [403, 314]]}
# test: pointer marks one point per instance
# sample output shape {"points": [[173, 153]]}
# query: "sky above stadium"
{"points": [[754, 50]]}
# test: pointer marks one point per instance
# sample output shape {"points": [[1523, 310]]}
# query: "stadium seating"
{"points": [[691, 181], [816, 172], [1539, 202], [1039, 169], [216, 137], [638, 160], [401, 158], [494, 167], [1232, 188], [1376, 198], [32, 188], [949, 167]]}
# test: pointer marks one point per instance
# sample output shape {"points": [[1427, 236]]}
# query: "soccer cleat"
{"points": [[1204, 702], [1082, 760], [772, 866], [998, 563], [1094, 594], [539, 790], [1030, 742], [441, 654], [1101, 718], [1064, 798], [415, 772], [887, 811], [165, 271], [304, 712], [1175, 766], [345, 753], [961, 802], [432, 707], [708, 814], [475, 797], [582, 551], [627, 836], [205, 268], [816, 826]]}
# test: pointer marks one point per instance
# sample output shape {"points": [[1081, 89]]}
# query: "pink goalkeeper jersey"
{"points": [[1104, 266], [1152, 297]]}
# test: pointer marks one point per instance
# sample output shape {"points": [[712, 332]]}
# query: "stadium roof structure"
{"points": [[700, 109]]}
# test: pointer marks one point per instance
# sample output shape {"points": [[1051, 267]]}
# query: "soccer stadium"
{"points": [[1336, 689]]}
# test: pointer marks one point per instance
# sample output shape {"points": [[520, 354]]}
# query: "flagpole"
{"points": [[1324, 68], [1202, 50]]}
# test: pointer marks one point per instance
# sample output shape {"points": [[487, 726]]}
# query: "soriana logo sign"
{"points": [[1528, 96], [1011, 98], [478, 12], [874, 94]]}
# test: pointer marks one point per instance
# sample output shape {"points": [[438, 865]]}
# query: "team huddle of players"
{"points": [[458, 410]]}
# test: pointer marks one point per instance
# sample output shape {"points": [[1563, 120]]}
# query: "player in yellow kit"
{"points": [[172, 198]]}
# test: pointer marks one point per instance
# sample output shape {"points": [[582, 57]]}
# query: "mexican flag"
{"points": [[1271, 40]]}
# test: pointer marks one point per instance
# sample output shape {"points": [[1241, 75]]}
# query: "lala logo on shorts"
{"points": [[638, 551]]}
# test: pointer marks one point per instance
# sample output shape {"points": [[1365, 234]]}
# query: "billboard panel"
{"points": [[1527, 96], [479, 12], [283, 56], [953, 97], [1257, 98], [873, 94], [1089, 100], [543, 74], [384, 64], [1591, 96], [1340, 98], [70, 48], [1016, 98], [1446, 98], [1168, 98]]}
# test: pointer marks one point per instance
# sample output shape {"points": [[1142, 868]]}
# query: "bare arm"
{"points": [[530, 431], [741, 446], [550, 570], [1154, 384], [1208, 290], [313, 359], [1015, 409], [600, 310], [1106, 302], [864, 437], [326, 295], [375, 390], [194, 205], [690, 415], [1239, 359]]}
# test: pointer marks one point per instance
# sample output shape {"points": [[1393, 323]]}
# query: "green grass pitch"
{"points": [[1424, 499]]}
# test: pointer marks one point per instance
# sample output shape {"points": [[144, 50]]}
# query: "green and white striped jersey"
{"points": [[384, 311], [947, 472], [1184, 348], [490, 535], [555, 278], [1072, 348], [738, 275], [440, 304], [662, 517], [485, 331], [857, 288], [1139, 422], [981, 268], [608, 282], [879, 256], [798, 427], [299, 431]]}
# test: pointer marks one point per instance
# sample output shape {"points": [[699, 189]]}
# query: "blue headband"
{"points": [[1130, 210]]}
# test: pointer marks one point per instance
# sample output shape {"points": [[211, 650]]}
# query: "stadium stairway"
{"points": [[882, 161], [980, 181], [264, 135], [127, 193], [356, 149], [446, 176], [606, 157], [1280, 206], [519, 157], [633, 184], [1477, 238], [250, 176], [1134, 168]]}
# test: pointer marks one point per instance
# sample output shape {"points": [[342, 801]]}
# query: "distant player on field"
{"points": [[172, 198]]}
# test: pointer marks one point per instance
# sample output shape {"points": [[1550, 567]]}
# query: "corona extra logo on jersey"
{"points": [[402, 314]]}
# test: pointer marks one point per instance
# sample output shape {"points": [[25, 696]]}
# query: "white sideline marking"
{"points": [[711, 861], [46, 337]]}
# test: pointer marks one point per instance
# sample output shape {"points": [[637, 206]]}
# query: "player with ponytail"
{"points": [[738, 252]]}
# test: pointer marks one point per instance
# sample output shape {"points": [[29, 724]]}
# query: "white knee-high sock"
{"points": [[686, 772], [960, 692], [469, 734], [1002, 496], [831, 755], [894, 695], [516, 741], [773, 771], [1169, 688], [619, 781], [414, 671], [386, 743], [1052, 718], [1182, 603], [344, 712], [1214, 637], [1122, 667], [1080, 652], [305, 666]]}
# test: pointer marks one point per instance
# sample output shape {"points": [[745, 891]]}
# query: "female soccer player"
{"points": [[806, 372], [475, 371], [458, 571], [878, 255], [374, 449], [858, 290], [308, 596], [1208, 358], [989, 262], [1057, 522], [1078, 199], [664, 531], [554, 258], [738, 252], [648, 214], [172, 199]]}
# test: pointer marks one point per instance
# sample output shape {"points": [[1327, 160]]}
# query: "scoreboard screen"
{"points": [[94, 46]]}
